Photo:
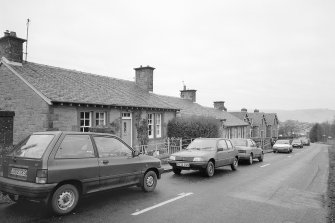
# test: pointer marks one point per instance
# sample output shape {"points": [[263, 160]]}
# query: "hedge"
{"points": [[193, 127]]}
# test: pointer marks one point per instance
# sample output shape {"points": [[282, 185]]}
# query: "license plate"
{"points": [[19, 172], [183, 164]]}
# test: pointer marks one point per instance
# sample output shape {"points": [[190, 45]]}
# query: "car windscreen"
{"points": [[32, 147], [282, 142], [239, 142], [296, 140], [202, 144]]}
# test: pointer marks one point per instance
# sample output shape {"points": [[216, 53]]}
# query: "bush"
{"points": [[193, 127]]}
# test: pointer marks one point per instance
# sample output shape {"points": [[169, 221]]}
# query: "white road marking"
{"points": [[182, 195], [265, 165]]}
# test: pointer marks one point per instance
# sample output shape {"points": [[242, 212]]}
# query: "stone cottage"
{"points": [[52, 98]]}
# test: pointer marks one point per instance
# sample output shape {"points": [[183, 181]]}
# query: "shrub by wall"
{"points": [[193, 127]]}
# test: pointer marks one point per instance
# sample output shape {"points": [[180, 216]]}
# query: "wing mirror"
{"points": [[136, 153], [220, 149]]}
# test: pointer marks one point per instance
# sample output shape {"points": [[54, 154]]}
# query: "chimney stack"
{"points": [[244, 110], [256, 111], [144, 77], [188, 94], [11, 47], [220, 105]]}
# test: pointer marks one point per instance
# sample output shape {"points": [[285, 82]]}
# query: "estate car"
{"points": [[248, 150]]}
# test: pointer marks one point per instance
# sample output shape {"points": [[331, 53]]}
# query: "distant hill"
{"points": [[305, 115]]}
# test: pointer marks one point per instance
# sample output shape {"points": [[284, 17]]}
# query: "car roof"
{"points": [[70, 132]]}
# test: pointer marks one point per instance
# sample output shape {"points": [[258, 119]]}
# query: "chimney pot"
{"points": [[189, 94], [11, 47], [220, 105], [144, 77]]}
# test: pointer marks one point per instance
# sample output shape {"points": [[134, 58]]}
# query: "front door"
{"points": [[126, 131]]}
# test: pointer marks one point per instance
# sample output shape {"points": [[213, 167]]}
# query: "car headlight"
{"points": [[197, 159], [172, 158]]}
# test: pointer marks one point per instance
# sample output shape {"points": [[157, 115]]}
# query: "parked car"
{"points": [[306, 141], [59, 167], [248, 150], [297, 143], [205, 154], [282, 145]]}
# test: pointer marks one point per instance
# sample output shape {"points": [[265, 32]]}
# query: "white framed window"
{"points": [[126, 115], [100, 118], [150, 126], [85, 121], [158, 123]]}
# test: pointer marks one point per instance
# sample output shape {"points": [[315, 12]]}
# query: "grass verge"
{"points": [[331, 184]]}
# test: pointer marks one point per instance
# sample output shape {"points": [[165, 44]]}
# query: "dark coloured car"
{"points": [[205, 154], [297, 143], [59, 167], [248, 150], [306, 141]]}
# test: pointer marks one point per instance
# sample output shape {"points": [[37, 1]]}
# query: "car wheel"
{"points": [[176, 171], [260, 159], [251, 159], [210, 169], [234, 164], [149, 181], [64, 199]]}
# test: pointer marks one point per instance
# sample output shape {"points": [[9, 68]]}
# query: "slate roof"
{"points": [[256, 118], [189, 108], [64, 85], [240, 115], [270, 118]]}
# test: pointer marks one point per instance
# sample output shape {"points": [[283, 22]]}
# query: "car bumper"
{"points": [[26, 190], [243, 156], [192, 165], [281, 150]]}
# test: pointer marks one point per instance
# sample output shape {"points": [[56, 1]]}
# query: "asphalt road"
{"points": [[284, 188]]}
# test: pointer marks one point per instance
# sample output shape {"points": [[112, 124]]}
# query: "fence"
{"points": [[264, 143], [162, 150]]}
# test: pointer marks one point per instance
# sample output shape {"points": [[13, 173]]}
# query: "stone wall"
{"points": [[6, 128], [31, 111]]}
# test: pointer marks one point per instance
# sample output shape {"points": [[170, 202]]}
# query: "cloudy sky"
{"points": [[248, 53]]}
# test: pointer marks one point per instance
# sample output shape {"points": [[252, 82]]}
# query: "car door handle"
{"points": [[105, 161]]}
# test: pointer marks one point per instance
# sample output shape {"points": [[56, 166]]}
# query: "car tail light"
{"points": [[41, 176]]}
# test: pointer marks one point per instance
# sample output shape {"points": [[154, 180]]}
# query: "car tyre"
{"points": [[64, 199], [149, 181], [261, 158], [210, 169], [176, 171], [251, 159], [234, 164]]}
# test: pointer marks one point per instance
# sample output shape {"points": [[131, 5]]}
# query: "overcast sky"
{"points": [[248, 53]]}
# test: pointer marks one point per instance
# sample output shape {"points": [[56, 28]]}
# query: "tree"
{"points": [[316, 133]]}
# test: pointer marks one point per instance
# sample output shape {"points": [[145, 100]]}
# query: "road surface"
{"points": [[284, 188]]}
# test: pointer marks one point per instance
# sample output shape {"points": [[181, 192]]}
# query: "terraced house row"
{"points": [[44, 98]]}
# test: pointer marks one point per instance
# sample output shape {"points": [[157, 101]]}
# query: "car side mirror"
{"points": [[220, 149], [136, 153]]}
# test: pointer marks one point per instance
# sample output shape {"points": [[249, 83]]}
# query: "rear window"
{"points": [[33, 147], [239, 142]]}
